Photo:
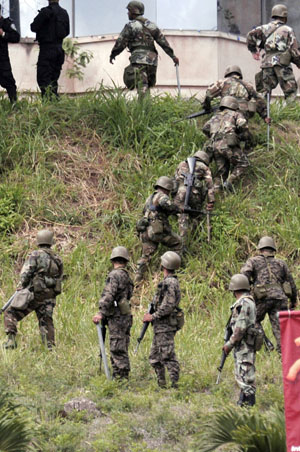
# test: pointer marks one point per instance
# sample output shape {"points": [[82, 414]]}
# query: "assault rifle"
{"points": [[227, 336], [144, 327], [199, 113], [101, 329], [8, 303], [268, 344]]}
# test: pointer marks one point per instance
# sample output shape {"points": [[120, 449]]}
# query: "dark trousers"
{"points": [[50, 61], [7, 80]]}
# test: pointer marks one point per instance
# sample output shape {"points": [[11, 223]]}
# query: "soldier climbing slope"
{"points": [[279, 42], [226, 129], [139, 36]]}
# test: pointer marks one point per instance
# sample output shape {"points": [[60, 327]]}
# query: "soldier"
{"points": [[42, 274], [225, 130], [272, 284], [242, 323], [249, 101], [279, 42], [202, 187], [8, 33], [51, 26], [139, 36], [154, 228], [114, 309], [165, 321]]}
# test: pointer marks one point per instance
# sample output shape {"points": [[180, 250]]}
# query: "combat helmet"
{"points": [[239, 282], [170, 260], [164, 182], [233, 70], [136, 8], [229, 102], [45, 237], [279, 11], [266, 242], [120, 251], [201, 155]]}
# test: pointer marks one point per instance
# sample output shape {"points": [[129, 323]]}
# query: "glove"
{"points": [[176, 60], [111, 59]]}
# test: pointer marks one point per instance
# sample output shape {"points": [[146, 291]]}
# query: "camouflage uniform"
{"points": [[242, 91], [42, 272], [203, 187], [157, 209], [275, 67], [139, 36], [220, 128], [271, 273], [118, 287], [162, 352], [243, 318]]}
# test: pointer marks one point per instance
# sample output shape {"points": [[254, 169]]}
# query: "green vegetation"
{"points": [[84, 166]]}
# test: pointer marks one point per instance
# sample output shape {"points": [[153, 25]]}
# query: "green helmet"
{"points": [[170, 260], [44, 237], [164, 182], [239, 282], [201, 155], [279, 11], [120, 251], [266, 242], [136, 8], [229, 102], [233, 70]]}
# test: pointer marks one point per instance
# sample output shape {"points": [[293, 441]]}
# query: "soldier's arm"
{"points": [[108, 294], [248, 269], [294, 49], [168, 303], [210, 185], [121, 43], [289, 278], [10, 32], [241, 325], [163, 43], [28, 270], [252, 37], [168, 206], [213, 91], [206, 129], [261, 104], [40, 20]]}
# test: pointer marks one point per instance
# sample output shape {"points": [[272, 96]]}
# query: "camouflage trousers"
{"points": [[44, 312], [186, 221], [146, 76], [244, 366], [271, 307], [284, 76], [119, 338], [162, 355], [227, 160], [149, 245]]}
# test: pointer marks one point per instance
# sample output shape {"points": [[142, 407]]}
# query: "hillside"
{"points": [[84, 167]]}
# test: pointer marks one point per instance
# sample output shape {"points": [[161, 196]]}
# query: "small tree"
{"points": [[79, 58]]}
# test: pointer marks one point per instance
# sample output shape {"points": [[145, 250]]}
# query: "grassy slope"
{"points": [[84, 167]]}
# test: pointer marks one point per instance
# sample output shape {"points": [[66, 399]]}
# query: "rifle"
{"points": [[227, 335], [144, 328], [8, 303], [199, 113], [101, 337], [268, 344]]}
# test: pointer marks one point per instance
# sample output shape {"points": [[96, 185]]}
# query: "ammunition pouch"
{"points": [[124, 306], [255, 337], [285, 58], [156, 226], [22, 299], [252, 106], [287, 289], [232, 140], [50, 282], [131, 77], [142, 224], [176, 319], [260, 291], [39, 284]]}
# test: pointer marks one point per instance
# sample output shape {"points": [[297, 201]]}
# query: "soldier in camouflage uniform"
{"points": [[115, 310], [202, 187], [139, 36], [242, 323], [225, 129], [42, 274], [249, 101], [269, 277], [154, 228], [165, 322], [279, 42]]}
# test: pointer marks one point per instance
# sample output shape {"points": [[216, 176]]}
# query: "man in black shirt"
{"points": [[8, 33], [51, 26]]}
